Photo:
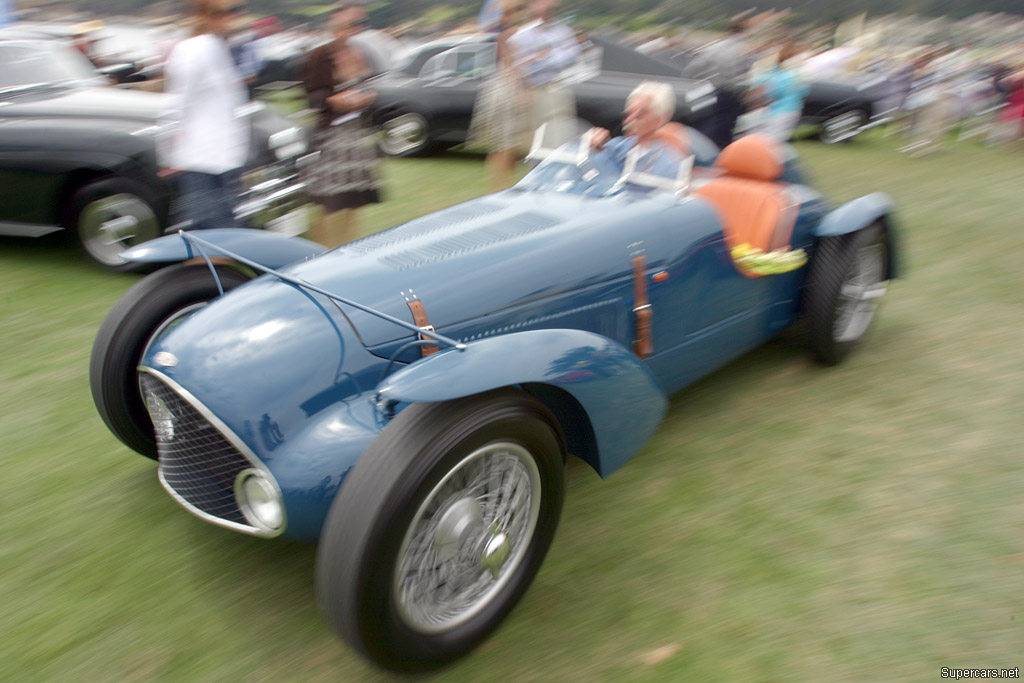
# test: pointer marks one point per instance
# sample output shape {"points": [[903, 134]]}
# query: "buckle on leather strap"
{"points": [[643, 312], [419, 318]]}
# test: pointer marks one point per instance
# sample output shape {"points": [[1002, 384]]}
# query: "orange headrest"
{"points": [[755, 156]]}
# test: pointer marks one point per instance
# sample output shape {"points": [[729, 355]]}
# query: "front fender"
{"points": [[859, 214], [620, 397], [269, 249]]}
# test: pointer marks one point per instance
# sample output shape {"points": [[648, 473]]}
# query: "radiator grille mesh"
{"points": [[196, 461]]}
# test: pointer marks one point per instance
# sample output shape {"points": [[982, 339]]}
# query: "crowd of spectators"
{"points": [[761, 74]]}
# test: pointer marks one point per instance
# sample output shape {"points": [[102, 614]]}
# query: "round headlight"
{"points": [[260, 501]]}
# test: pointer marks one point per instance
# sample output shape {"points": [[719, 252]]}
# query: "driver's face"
{"points": [[640, 119]]}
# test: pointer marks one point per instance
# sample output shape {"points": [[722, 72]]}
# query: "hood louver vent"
{"points": [[470, 240], [420, 227]]}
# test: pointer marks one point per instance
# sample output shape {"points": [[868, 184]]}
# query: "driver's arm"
{"points": [[598, 137], [614, 149]]}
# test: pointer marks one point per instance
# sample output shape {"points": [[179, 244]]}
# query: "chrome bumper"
{"points": [[270, 200], [276, 203]]}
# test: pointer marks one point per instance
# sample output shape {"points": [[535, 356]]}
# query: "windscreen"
{"points": [[24, 64]]}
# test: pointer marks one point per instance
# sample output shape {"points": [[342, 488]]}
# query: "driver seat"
{"points": [[748, 196]]}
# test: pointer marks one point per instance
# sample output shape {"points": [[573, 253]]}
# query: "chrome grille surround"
{"points": [[201, 461]]}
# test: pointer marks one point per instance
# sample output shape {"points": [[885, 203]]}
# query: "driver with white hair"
{"points": [[648, 109]]}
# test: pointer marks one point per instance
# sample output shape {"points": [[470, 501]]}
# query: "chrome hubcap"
{"points": [[497, 551], [110, 225], [467, 538], [462, 521], [859, 294], [403, 134]]}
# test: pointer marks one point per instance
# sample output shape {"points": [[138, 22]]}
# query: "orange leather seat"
{"points": [[751, 202]]}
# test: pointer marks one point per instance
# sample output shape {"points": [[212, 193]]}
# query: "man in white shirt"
{"points": [[543, 50], [205, 142]]}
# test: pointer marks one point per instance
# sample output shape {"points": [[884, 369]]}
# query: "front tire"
{"points": [[146, 311], [110, 215], [847, 277], [440, 528]]}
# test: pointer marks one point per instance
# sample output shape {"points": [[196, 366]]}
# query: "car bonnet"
{"points": [[486, 256]]}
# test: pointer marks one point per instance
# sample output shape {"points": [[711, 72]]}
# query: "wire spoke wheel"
{"points": [[468, 537], [864, 285], [441, 526], [847, 279]]}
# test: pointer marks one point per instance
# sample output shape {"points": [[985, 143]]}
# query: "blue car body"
{"points": [[536, 283]]}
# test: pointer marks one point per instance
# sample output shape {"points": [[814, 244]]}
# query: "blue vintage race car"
{"points": [[408, 400]]}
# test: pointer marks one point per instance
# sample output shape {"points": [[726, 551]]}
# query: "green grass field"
{"points": [[788, 522]]}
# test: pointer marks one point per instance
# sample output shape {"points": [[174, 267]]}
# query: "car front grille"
{"points": [[197, 464]]}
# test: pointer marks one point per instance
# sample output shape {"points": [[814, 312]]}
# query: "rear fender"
{"points": [[859, 214], [269, 249], [608, 402]]}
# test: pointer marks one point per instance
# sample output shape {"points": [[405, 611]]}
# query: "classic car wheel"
{"points": [[847, 278], [440, 527], [110, 215], [147, 310], [404, 135], [843, 127]]}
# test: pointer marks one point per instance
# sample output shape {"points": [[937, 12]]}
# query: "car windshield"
{"points": [[24, 64], [411, 59], [594, 175]]}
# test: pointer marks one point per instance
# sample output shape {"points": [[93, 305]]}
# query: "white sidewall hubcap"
{"points": [[109, 225]]}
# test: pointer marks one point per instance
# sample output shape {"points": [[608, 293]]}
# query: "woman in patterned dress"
{"points": [[500, 116], [343, 178]]}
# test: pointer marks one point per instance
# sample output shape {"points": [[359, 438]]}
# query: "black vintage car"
{"points": [[77, 154], [427, 100], [838, 110]]}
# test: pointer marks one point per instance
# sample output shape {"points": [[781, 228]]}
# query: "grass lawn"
{"points": [[788, 522]]}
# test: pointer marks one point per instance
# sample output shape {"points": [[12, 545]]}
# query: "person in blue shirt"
{"points": [[543, 49], [783, 91], [648, 108]]}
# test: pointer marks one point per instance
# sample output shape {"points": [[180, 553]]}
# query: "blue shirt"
{"points": [[784, 89], [558, 44], [658, 159]]}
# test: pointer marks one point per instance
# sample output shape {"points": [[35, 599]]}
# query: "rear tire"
{"points": [[440, 528], [146, 311], [847, 277]]}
